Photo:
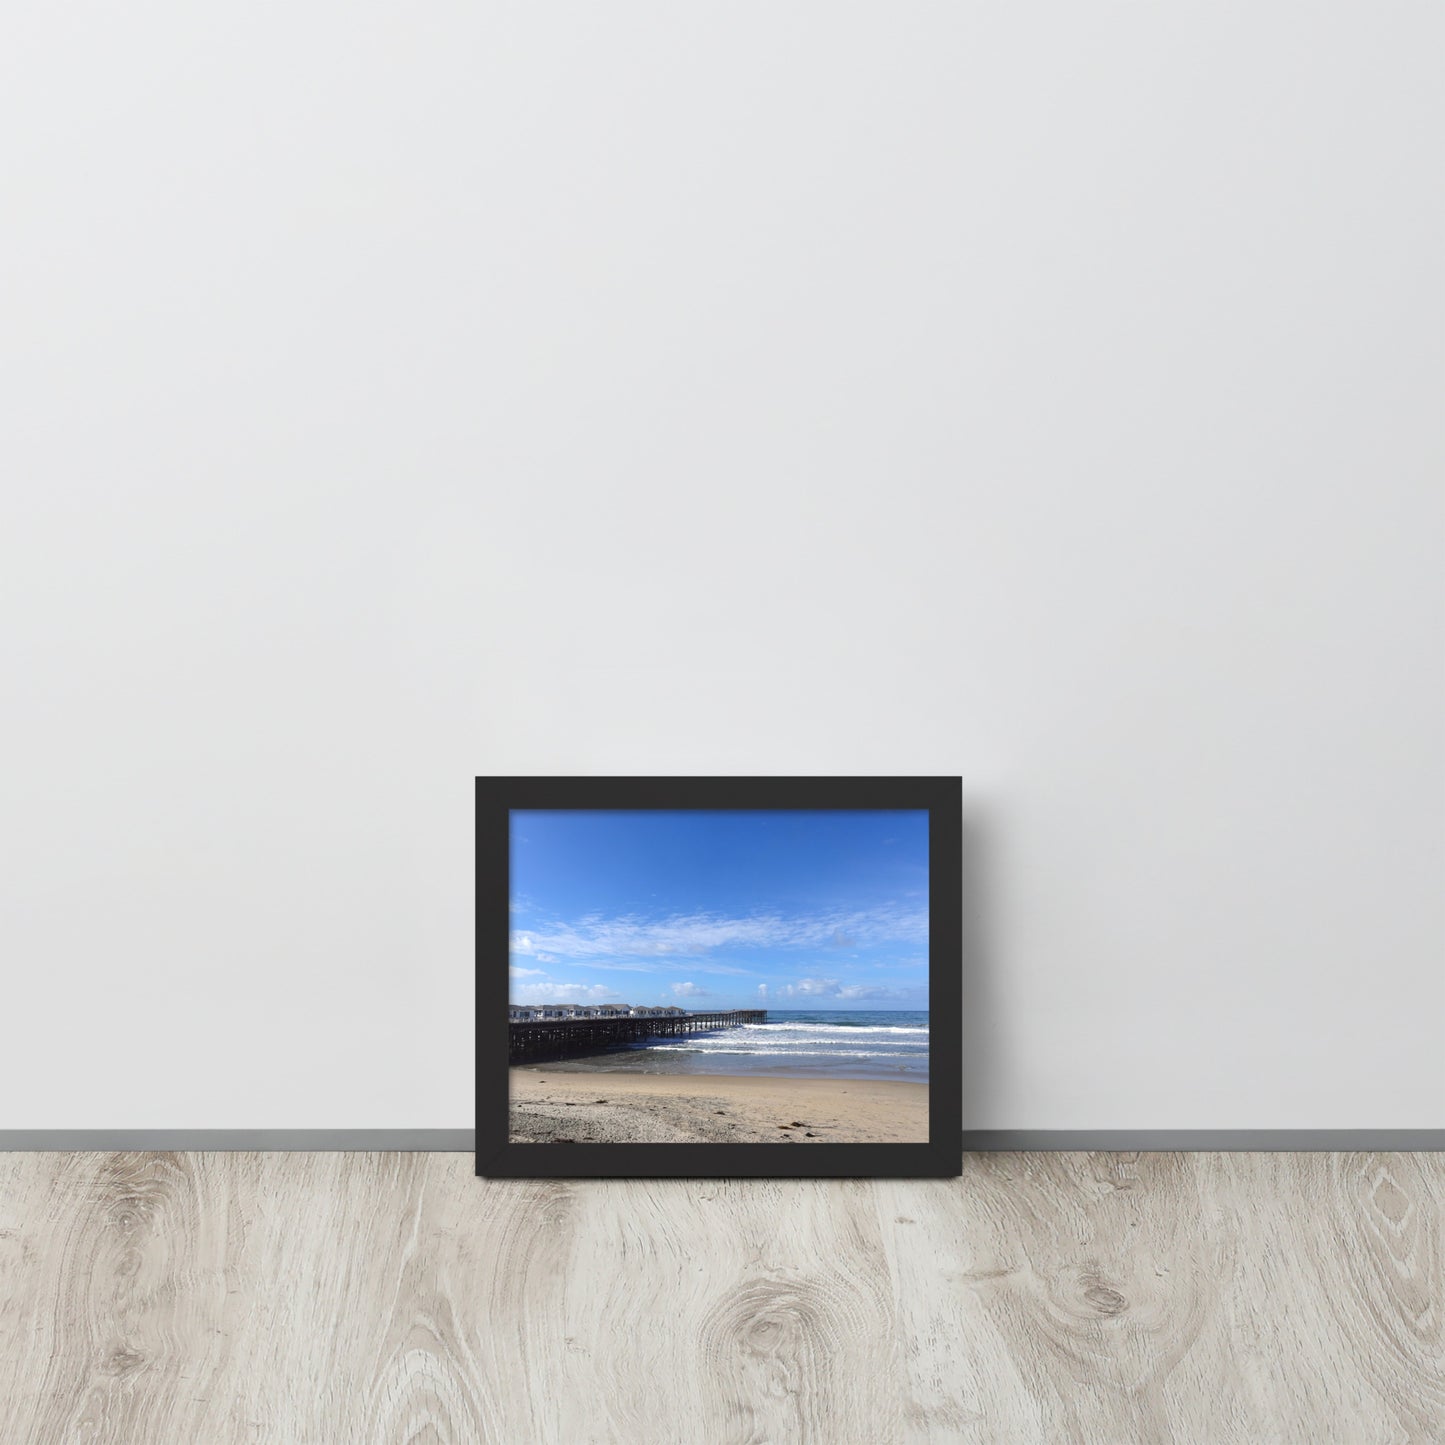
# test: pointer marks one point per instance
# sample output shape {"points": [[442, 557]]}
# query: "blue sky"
{"points": [[721, 909]]}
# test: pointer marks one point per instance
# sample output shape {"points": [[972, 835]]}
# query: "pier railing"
{"points": [[541, 1039]]}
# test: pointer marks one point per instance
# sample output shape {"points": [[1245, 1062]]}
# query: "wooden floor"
{"points": [[392, 1299]]}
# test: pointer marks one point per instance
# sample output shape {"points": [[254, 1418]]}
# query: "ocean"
{"points": [[831, 1044]]}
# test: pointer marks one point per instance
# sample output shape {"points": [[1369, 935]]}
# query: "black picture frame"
{"points": [[939, 1157]]}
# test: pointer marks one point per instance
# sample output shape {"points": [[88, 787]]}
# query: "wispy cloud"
{"points": [[689, 990], [694, 965], [638, 940], [852, 992], [516, 972]]}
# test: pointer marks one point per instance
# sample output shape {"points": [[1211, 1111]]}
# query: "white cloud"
{"points": [[633, 938], [762, 990], [812, 988], [525, 972], [882, 994], [694, 965], [852, 992], [689, 990], [546, 991]]}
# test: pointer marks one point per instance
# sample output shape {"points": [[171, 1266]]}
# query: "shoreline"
{"points": [[550, 1104], [699, 1066]]}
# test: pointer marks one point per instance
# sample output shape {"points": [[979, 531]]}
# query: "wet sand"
{"points": [[552, 1105]]}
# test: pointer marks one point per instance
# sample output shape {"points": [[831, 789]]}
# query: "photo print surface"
{"points": [[718, 977]]}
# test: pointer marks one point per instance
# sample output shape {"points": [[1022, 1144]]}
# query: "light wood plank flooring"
{"points": [[393, 1299]]}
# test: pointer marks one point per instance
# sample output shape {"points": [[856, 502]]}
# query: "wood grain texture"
{"points": [[393, 1299]]}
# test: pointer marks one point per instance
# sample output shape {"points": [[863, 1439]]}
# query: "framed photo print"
{"points": [[718, 976]]}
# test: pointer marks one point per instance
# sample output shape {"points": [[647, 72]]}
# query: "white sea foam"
{"points": [[843, 1031], [699, 1048], [814, 1044]]}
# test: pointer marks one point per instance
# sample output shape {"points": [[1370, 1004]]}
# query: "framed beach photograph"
{"points": [[718, 977]]}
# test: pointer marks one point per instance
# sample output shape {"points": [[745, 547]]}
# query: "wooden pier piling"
{"points": [[537, 1040]]}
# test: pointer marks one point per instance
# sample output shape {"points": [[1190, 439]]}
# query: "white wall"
{"points": [[1047, 393]]}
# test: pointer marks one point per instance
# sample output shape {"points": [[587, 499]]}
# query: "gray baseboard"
{"points": [[1184, 1141], [170, 1141], [985, 1141]]}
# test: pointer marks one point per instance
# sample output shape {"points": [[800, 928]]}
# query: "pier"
{"points": [[558, 1038]]}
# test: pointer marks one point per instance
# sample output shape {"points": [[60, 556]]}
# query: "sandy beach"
{"points": [[551, 1105]]}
